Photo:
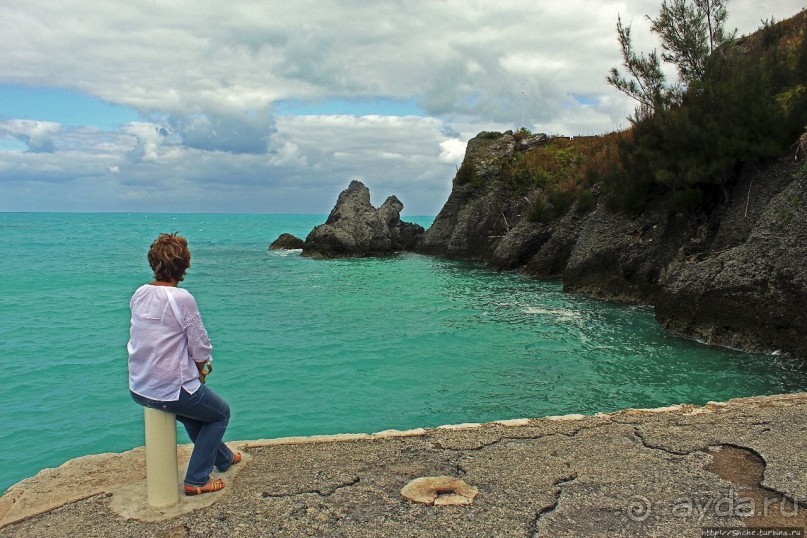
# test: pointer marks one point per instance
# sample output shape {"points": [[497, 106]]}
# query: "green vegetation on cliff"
{"points": [[564, 169], [748, 104]]}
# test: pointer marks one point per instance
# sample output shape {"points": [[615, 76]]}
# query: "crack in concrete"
{"points": [[317, 491], [438, 446], [640, 436], [761, 464], [558, 483], [572, 434], [745, 480]]}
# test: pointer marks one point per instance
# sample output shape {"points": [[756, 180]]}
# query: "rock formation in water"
{"points": [[286, 241], [355, 228]]}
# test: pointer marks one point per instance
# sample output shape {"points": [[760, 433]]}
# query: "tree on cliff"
{"points": [[690, 32], [734, 103]]}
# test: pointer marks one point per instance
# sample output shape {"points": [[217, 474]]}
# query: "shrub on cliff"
{"points": [[465, 173]]}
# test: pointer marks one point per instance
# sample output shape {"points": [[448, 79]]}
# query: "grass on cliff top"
{"points": [[554, 175], [563, 170]]}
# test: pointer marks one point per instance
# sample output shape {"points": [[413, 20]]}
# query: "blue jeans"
{"points": [[205, 416]]}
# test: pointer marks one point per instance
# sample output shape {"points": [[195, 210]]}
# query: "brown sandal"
{"points": [[236, 457], [215, 484]]}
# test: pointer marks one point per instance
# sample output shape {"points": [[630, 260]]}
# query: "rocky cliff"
{"points": [[736, 276]]}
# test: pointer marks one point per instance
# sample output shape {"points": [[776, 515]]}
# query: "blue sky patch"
{"points": [[585, 100], [12, 144], [67, 107]]}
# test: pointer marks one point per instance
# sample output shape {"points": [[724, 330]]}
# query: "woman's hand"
{"points": [[204, 370]]}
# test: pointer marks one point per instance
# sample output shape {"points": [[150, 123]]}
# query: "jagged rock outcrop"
{"points": [[355, 228], [286, 241], [477, 220], [736, 277]]}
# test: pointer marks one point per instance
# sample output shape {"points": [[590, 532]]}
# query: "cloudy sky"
{"points": [[273, 107]]}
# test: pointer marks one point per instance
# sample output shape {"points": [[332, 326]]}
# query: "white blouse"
{"points": [[166, 338]]}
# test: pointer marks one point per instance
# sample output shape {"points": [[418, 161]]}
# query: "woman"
{"points": [[169, 357]]}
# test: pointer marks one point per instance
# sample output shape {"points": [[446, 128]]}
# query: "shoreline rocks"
{"points": [[286, 241]]}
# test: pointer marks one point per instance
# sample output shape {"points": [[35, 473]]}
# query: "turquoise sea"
{"points": [[307, 347]]}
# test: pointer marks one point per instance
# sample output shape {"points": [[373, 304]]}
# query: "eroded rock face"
{"points": [[752, 276], [356, 229], [477, 213]]}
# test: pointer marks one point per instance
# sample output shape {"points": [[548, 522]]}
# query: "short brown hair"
{"points": [[169, 257]]}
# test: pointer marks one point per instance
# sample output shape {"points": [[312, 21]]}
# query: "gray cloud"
{"points": [[238, 132]]}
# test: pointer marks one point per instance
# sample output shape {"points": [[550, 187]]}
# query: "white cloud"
{"points": [[149, 139], [36, 135], [205, 77], [393, 155], [288, 155], [452, 151], [312, 158]]}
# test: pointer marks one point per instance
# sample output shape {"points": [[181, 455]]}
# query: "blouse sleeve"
{"points": [[199, 347]]}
